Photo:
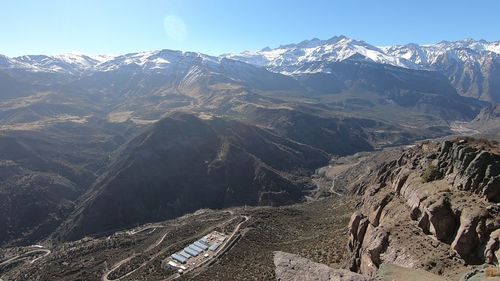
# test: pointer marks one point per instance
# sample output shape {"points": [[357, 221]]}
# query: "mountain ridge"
{"points": [[472, 66], [96, 60]]}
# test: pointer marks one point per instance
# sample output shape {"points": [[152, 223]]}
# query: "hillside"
{"points": [[184, 163], [43, 173]]}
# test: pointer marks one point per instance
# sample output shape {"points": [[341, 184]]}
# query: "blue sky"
{"points": [[221, 26]]}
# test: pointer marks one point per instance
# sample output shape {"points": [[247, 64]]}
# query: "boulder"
{"points": [[484, 273], [467, 239], [290, 267], [442, 222], [492, 249], [357, 229], [374, 244]]}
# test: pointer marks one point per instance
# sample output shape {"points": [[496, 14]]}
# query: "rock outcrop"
{"points": [[470, 169], [492, 249], [290, 267], [434, 207]]}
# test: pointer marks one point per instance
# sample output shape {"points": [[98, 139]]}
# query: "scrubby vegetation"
{"points": [[432, 173]]}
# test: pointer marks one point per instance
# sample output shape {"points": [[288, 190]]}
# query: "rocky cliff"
{"points": [[433, 207]]}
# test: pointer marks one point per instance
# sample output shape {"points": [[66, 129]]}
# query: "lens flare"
{"points": [[175, 27]]}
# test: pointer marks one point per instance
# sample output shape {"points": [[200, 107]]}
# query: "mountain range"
{"points": [[470, 65], [305, 148], [85, 129]]}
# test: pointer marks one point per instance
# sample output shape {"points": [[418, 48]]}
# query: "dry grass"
{"points": [[492, 272], [489, 145]]}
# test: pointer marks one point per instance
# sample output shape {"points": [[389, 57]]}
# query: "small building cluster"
{"points": [[197, 252]]}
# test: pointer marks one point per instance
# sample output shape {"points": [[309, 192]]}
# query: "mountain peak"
{"points": [[310, 56], [314, 42]]}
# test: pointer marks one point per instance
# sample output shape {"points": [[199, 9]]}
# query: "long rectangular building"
{"points": [[196, 248], [201, 245], [179, 258], [204, 241], [192, 252], [184, 254]]}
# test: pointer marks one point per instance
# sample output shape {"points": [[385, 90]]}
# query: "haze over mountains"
{"points": [[309, 100]]}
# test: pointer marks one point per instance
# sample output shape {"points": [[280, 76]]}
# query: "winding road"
{"points": [[153, 227], [117, 265], [26, 256], [47, 252], [158, 242]]}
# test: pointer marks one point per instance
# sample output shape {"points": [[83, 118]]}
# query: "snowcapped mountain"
{"points": [[150, 61], [65, 63], [429, 55], [302, 57], [156, 60], [471, 66], [287, 59], [152, 68]]}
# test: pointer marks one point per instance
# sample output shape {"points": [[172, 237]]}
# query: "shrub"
{"points": [[431, 173]]}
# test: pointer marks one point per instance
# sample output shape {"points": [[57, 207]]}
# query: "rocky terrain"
{"points": [[432, 207]]}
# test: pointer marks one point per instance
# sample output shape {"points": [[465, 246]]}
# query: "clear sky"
{"points": [[221, 26]]}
